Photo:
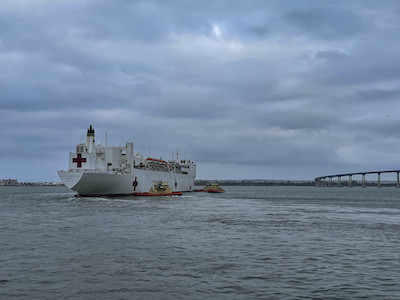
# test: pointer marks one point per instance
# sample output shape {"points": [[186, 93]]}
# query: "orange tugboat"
{"points": [[212, 188], [160, 188]]}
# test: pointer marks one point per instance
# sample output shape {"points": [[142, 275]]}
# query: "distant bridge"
{"points": [[328, 180]]}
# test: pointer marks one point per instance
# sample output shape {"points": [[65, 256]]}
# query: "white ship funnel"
{"points": [[129, 154]]}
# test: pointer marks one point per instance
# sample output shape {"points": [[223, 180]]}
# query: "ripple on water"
{"points": [[249, 243]]}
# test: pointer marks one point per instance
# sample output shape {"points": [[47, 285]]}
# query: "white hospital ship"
{"points": [[96, 170]]}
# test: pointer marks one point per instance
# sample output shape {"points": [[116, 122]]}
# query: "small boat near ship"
{"points": [[211, 188], [160, 189]]}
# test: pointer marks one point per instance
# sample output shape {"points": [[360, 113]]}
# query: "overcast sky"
{"points": [[247, 89]]}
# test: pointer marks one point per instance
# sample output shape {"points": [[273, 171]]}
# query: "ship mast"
{"points": [[90, 139]]}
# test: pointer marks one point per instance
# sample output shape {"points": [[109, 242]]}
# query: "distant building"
{"points": [[9, 182]]}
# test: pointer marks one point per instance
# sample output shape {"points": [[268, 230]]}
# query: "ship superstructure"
{"points": [[96, 170]]}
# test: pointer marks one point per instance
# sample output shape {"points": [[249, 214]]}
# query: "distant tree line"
{"points": [[202, 182]]}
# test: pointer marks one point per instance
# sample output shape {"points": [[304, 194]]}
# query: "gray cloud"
{"points": [[328, 24], [330, 55], [378, 94], [288, 90]]}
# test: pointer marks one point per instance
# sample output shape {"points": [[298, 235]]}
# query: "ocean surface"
{"points": [[248, 243]]}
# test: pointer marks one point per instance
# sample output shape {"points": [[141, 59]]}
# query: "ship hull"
{"points": [[88, 184]]}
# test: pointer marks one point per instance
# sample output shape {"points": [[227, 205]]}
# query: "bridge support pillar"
{"points": [[397, 183], [339, 181], [379, 180], [363, 181], [330, 181], [350, 181]]}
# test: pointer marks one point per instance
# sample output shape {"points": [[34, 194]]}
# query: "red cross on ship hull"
{"points": [[79, 160]]}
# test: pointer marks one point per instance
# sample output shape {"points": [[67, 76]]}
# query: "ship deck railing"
{"points": [[95, 171]]}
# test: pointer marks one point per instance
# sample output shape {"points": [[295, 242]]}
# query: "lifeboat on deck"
{"points": [[160, 188]]}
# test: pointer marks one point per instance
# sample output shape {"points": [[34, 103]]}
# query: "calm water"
{"points": [[249, 243]]}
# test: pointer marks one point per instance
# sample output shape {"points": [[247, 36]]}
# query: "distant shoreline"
{"points": [[15, 182], [203, 182], [261, 182], [257, 182], [199, 182]]}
